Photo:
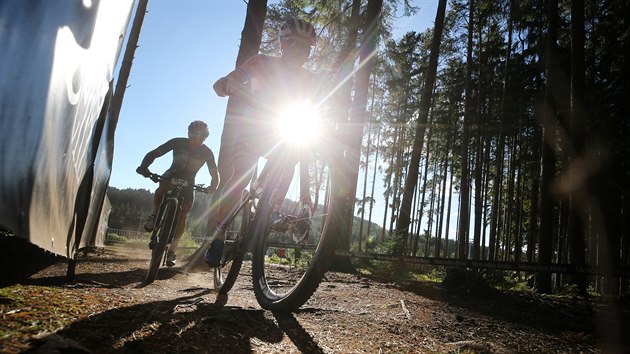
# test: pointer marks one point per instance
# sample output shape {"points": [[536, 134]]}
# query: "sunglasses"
{"points": [[196, 136]]}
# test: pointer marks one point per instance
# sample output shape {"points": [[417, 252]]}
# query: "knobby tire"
{"points": [[309, 281], [164, 228], [225, 284]]}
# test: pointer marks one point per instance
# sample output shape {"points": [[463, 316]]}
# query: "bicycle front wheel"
{"points": [[236, 243], [163, 230], [292, 249]]}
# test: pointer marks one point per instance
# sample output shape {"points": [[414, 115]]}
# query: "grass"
{"points": [[397, 272], [29, 310]]}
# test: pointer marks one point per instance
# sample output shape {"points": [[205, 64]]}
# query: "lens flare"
{"points": [[299, 123]]}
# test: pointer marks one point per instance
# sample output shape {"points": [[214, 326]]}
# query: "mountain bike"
{"points": [[166, 221], [285, 224], [236, 245]]}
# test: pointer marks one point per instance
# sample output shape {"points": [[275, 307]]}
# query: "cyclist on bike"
{"points": [[273, 81], [189, 155]]}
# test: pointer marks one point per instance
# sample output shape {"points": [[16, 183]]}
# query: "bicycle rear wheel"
{"points": [[286, 266], [163, 231], [235, 249]]}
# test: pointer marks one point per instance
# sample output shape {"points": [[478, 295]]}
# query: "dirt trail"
{"points": [[105, 310]]}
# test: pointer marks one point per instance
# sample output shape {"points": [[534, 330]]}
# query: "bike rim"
{"points": [[158, 254], [234, 250], [288, 271]]}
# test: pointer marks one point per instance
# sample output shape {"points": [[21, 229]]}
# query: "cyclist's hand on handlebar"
{"points": [[143, 171], [221, 87]]}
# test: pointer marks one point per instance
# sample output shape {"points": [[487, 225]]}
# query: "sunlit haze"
{"points": [[184, 47]]}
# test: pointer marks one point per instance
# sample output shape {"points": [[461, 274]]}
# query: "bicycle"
{"points": [[166, 221], [234, 251], [292, 250]]}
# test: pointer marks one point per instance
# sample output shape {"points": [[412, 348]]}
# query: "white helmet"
{"points": [[298, 29]]}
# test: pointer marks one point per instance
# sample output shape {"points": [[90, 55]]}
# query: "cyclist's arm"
{"points": [[214, 172], [154, 154], [236, 80]]}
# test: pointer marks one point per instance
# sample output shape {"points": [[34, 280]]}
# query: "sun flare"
{"points": [[299, 123]]}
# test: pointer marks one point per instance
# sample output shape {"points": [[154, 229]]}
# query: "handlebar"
{"points": [[177, 182]]}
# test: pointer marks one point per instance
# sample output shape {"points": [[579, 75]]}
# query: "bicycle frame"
{"points": [[280, 168], [285, 288], [175, 193], [166, 219], [236, 253]]}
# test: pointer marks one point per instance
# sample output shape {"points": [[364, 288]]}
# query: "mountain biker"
{"points": [[189, 155], [273, 81]]}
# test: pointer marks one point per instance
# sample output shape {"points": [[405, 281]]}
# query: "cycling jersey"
{"points": [[186, 160], [273, 84]]}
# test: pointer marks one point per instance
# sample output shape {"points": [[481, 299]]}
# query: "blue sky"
{"points": [[184, 46]]}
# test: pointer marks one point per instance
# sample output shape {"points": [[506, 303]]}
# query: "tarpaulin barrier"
{"points": [[57, 61]]}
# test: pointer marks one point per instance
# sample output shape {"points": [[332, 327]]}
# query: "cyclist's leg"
{"points": [[287, 159], [305, 179], [157, 200], [181, 222], [242, 168], [159, 194]]}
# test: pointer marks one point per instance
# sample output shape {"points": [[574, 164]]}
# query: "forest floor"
{"points": [[105, 310]]}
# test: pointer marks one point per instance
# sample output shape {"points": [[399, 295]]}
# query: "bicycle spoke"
{"points": [[290, 239], [235, 248]]}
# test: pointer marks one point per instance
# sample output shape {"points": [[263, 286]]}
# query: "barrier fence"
{"points": [[114, 236], [496, 265]]}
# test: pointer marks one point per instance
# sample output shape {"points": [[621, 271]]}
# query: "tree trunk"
{"points": [[415, 223], [510, 209], [448, 214], [480, 123], [534, 230], [125, 68], [518, 240], [464, 211], [478, 199], [366, 165], [404, 217], [625, 241], [251, 37], [378, 143], [387, 194], [424, 192], [398, 165], [486, 188], [577, 207], [341, 103], [549, 123], [438, 241], [427, 252], [498, 184], [351, 159]]}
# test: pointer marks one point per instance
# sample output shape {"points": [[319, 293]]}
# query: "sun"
{"points": [[299, 123]]}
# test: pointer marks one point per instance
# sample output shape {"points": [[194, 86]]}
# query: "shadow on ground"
{"points": [[14, 251], [189, 323], [609, 318]]}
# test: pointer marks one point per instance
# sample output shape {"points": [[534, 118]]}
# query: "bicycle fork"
{"points": [[171, 232]]}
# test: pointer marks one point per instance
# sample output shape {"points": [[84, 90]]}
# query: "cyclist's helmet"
{"points": [[198, 129], [298, 29]]}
